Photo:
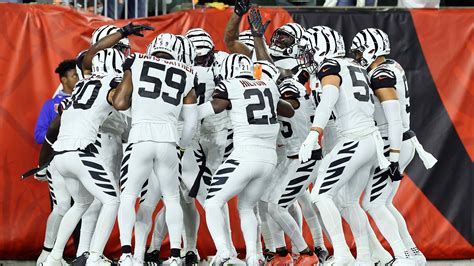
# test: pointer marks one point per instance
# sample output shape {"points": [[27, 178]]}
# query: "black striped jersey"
{"points": [[295, 129], [252, 110], [354, 109], [159, 86], [207, 80], [391, 75], [84, 112]]}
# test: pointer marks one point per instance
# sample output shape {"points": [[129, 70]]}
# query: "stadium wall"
{"points": [[436, 48]]}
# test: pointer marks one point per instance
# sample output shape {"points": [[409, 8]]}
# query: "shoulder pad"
{"points": [[328, 67], [221, 91], [382, 78], [127, 65], [288, 89], [115, 82]]}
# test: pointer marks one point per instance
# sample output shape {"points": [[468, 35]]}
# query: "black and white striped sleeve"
{"points": [[64, 104], [329, 67], [383, 78]]}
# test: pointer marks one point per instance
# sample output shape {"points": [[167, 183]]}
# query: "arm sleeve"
{"points": [[43, 122], [190, 115], [391, 109], [324, 109], [382, 78], [205, 110]]}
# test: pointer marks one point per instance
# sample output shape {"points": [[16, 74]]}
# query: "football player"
{"points": [[345, 91], [76, 158], [253, 106], [115, 128], [392, 114], [151, 81]]}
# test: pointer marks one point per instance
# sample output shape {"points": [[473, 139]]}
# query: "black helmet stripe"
{"points": [[381, 36], [375, 41]]}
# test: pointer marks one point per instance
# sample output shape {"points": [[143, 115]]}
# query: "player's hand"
{"points": [[309, 144], [41, 175], [394, 171], [137, 29], [256, 26], [241, 7]]}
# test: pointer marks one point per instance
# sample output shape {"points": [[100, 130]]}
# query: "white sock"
{"points": [[174, 220], [104, 226], [289, 226], [377, 250], [228, 232], [259, 247], [278, 236], [68, 224], [142, 228], [356, 218], [88, 223], [311, 219], [402, 227], [333, 223], [216, 224], [249, 224], [159, 232], [297, 214], [265, 228], [389, 229], [191, 224], [52, 227], [126, 218]]}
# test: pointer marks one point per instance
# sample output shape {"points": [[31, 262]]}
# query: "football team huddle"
{"points": [[183, 123]]}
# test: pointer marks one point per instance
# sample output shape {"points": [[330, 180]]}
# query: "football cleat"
{"points": [[281, 260], [305, 259], [126, 260], [81, 260], [322, 254], [173, 261], [153, 258], [191, 259], [50, 261]]}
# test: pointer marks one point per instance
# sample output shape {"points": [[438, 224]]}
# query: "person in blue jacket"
{"points": [[68, 77]]}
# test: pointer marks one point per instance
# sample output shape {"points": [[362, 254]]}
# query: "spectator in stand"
{"points": [[358, 3], [68, 77]]}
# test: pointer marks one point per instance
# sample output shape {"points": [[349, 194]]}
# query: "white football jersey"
{"points": [[252, 114], [354, 109], [295, 129], [159, 86], [206, 83], [386, 75], [84, 112]]}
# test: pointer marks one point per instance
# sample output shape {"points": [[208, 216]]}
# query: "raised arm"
{"points": [[112, 39], [258, 31], [121, 98], [231, 35]]}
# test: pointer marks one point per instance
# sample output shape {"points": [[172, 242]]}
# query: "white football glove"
{"points": [[309, 144], [41, 175]]}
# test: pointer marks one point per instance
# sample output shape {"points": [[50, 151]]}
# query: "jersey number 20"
{"points": [[170, 73], [260, 106]]}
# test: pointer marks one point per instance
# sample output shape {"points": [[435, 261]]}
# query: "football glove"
{"points": [[131, 29], [241, 7], [309, 144], [256, 26], [41, 175], [394, 171]]}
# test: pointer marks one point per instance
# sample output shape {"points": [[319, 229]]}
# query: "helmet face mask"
{"points": [[125, 49], [205, 60], [285, 40]]}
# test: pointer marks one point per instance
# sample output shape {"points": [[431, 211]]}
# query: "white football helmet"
{"points": [[265, 70], [318, 43], [123, 45], [204, 45], [236, 65], [188, 51], [280, 45], [368, 44], [166, 43], [108, 61]]}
